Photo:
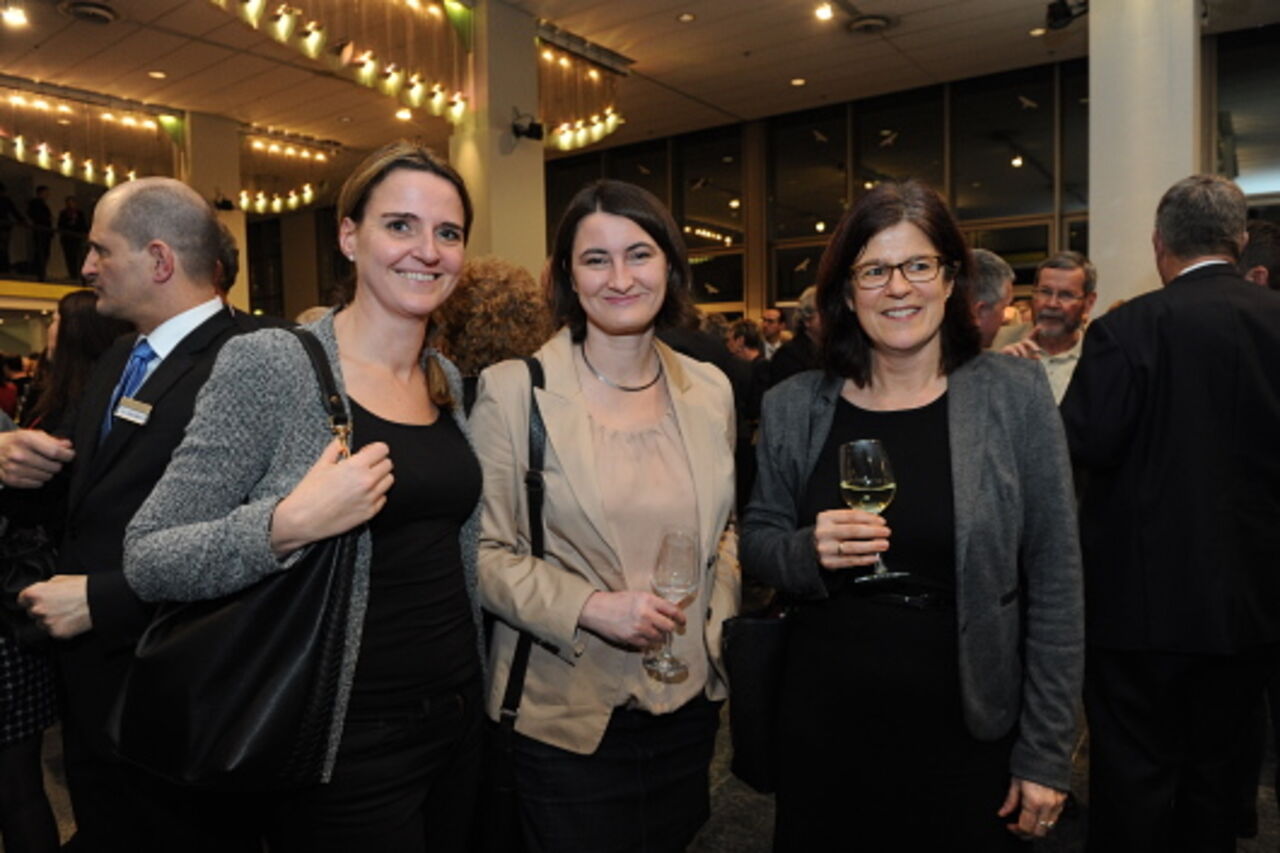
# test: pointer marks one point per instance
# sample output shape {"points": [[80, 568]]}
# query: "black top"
{"points": [[922, 516], [419, 639]]}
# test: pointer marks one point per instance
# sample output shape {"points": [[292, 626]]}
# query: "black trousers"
{"points": [[405, 782], [644, 789], [1163, 730]]}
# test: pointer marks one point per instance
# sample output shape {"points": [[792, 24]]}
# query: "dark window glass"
{"points": [[807, 171], [1075, 136], [266, 271], [717, 278], [1078, 236], [899, 136], [794, 269], [564, 178], [1022, 247], [1002, 144], [708, 169], [643, 165], [1248, 117]]}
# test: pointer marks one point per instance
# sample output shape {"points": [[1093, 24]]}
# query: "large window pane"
{"points": [[1248, 116], [1075, 136], [794, 269], [644, 165], [709, 179], [564, 178], [899, 136], [807, 171], [1022, 246], [717, 278], [1002, 144]]}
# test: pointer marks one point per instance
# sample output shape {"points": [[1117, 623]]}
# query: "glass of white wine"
{"points": [[675, 578], [867, 483]]}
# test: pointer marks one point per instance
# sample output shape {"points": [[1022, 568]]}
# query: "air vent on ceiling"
{"points": [[870, 25], [88, 11]]}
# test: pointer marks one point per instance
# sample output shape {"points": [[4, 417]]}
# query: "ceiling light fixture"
{"points": [[798, 81], [1060, 13], [1037, 32], [1016, 162], [404, 114], [14, 15], [686, 17], [157, 75], [824, 12]]}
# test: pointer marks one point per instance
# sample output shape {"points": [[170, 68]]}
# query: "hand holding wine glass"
{"points": [[867, 483], [675, 578]]}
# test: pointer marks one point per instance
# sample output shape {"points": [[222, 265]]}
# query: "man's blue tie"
{"points": [[130, 381]]}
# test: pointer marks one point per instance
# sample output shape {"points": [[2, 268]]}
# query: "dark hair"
{"points": [[1263, 250], [496, 311], [1069, 260], [642, 208], [1202, 215], [846, 349], [228, 263], [748, 331], [83, 336], [12, 362], [374, 169]]}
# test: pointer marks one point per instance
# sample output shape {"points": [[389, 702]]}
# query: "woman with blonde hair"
{"points": [[259, 478]]}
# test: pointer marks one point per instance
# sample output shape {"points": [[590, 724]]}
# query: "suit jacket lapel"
{"points": [[966, 426], [92, 411], [700, 428], [173, 368], [564, 413]]}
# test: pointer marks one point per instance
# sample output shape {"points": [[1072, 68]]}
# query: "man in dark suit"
{"points": [[1172, 415], [152, 252]]}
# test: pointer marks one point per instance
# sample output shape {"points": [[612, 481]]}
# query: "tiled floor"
{"points": [[742, 820]]}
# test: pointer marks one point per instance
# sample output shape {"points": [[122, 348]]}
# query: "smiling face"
{"points": [[901, 318], [619, 274], [1059, 303], [408, 245]]}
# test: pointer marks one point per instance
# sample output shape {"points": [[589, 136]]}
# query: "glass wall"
{"points": [[808, 172], [1248, 111], [900, 136], [708, 172]]}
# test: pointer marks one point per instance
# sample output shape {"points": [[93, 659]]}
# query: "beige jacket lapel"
{"points": [[700, 429]]}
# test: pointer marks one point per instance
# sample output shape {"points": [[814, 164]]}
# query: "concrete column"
{"points": [[299, 260], [1144, 130], [504, 174], [211, 165]]}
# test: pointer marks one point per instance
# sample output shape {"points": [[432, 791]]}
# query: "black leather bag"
{"points": [[27, 556], [237, 692], [499, 812], [754, 648]]}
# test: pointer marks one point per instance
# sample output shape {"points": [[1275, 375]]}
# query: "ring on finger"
{"points": [[1047, 824]]}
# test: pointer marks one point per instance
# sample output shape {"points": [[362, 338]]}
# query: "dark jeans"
{"points": [[644, 789], [404, 781], [1163, 729]]}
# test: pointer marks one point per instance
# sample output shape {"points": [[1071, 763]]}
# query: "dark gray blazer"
{"points": [[258, 427], [1018, 588]]}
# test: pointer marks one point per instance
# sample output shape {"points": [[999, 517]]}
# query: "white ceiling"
{"points": [[733, 62]]}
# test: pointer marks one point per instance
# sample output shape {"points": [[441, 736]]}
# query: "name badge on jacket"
{"points": [[133, 411]]}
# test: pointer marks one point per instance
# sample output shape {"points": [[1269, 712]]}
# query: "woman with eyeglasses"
{"points": [[935, 708]]}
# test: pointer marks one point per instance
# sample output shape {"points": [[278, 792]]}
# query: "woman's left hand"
{"points": [[1040, 808]]}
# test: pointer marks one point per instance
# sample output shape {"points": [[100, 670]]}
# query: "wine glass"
{"points": [[866, 483], [675, 578]]}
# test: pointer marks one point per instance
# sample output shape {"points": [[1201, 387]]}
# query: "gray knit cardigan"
{"points": [[259, 426]]}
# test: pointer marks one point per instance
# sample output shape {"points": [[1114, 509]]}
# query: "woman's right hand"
{"points": [[630, 618], [336, 495], [844, 538]]}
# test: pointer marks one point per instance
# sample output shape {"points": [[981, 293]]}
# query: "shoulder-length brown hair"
{"points": [[846, 349], [641, 207]]}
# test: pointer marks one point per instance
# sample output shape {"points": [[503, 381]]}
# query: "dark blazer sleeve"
{"points": [[777, 545]]}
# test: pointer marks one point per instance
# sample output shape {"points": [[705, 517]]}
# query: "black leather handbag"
{"points": [[238, 692], [754, 648], [27, 556]]}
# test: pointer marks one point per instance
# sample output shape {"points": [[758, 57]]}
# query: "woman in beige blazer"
{"points": [[639, 442]]}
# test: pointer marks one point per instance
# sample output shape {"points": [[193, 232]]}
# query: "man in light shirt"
{"points": [[152, 252], [773, 328], [1063, 296]]}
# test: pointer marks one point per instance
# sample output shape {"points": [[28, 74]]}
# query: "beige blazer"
{"points": [[574, 679]]}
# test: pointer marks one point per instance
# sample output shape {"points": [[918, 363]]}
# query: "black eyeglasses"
{"points": [[921, 269], [1066, 297]]}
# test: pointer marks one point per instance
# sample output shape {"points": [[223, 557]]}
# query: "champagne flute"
{"points": [[675, 578], [867, 483]]}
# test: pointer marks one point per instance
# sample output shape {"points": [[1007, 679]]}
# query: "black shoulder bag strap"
{"points": [[534, 489], [339, 422]]}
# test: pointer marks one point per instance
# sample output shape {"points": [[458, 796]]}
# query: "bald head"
{"points": [[168, 211]]}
